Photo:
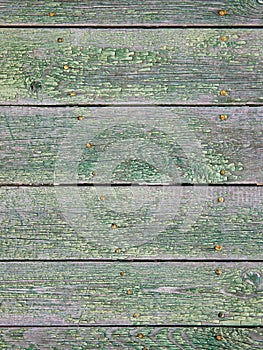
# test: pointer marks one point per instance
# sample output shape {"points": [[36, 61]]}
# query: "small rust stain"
{"points": [[220, 199], [219, 337], [60, 40], [218, 247], [218, 272], [223, 38]]}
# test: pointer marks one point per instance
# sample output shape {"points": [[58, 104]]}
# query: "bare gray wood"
{"points": [[130, 338], [39, 293], [103, 222], [123, 12], [131, 145], [145, 66]]}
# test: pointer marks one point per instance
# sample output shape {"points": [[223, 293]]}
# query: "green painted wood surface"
{"points": [[152, 222], [123, 12], [177, 66], [131, 145], [40, 293], [131, 338]]}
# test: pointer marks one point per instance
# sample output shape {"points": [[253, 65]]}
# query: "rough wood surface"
{"points": [[178, 66], [123, 12], [160, 222], [131, 145], [131, 338], [40, 293]]}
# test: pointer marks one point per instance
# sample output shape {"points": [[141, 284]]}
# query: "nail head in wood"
{"points": [[117, 250], [135, 315], [113, 225], [51, 14], [223, 93], [66, 67], [222, 12], [122, 273], [223, 117], [218, 272], [80, 117], [218, 247], [88, 145], [223, 172], [220, 314], [223, 38], [129, 292], [102, 198], [219, 337], [220, 199], [72, 93], [60, 40], [140, 335]]}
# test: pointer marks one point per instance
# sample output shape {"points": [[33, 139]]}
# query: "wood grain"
{"points": [[131, 145], [40, 293], [123, 12], [149, 66], [149, 222], [131, 338]]}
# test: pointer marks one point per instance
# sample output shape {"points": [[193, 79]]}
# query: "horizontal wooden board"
{"points": [[131, 222], [132, 338], [131, 145], [123, 12], [147, 294], [177, 66]]}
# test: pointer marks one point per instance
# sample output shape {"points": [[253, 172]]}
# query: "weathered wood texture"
{"points": [[160, 223], [123, 12], [131, 145], [148, 294], [178, 66], [131, 338]]}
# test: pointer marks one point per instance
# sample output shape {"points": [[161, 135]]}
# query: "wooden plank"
{"points": [[174, 338], [40, 293], [123, 12], [131, 222], [153, 66], [131, 145]]}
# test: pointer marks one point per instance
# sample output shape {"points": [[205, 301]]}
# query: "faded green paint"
{"points": [[131, 145], [131, 338], [73, 223], [39, 293], [131, 66], [123, 12]]}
